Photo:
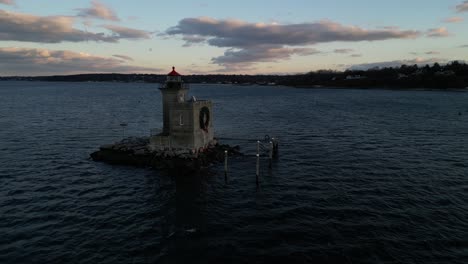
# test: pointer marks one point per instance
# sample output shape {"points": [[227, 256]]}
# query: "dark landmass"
{"points": [[453, 75]]}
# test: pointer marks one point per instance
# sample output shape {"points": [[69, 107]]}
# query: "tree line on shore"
{"points": [[436, 76], [451, 75]]}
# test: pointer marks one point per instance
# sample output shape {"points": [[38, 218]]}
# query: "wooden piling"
{"points": [[270, 154], [258, 169], [123, 125], [275, 147], [225, 164]]}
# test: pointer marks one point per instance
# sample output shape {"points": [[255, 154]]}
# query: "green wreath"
{"points": [[204, 118]]}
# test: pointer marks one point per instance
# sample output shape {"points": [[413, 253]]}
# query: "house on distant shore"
{"points": [[355, 77]]}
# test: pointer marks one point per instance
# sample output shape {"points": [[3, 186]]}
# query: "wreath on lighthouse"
{"points": [[204, 118]]}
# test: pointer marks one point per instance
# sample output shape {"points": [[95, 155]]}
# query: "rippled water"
{"points": [[364, 176]]}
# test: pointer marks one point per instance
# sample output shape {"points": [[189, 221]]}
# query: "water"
{"points": [[364, 176]]}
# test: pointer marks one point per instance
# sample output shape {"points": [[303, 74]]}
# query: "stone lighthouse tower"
{"points": [[173, 92], [187, 124]]}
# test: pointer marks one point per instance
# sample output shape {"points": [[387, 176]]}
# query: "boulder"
{"points": [[108, 147]]}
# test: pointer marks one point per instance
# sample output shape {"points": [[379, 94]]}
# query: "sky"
{"points": [[56, 37]]}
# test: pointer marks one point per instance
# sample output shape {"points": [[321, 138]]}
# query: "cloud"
{"points": [[123, 57], [305, 51], [343, 51], [453, 20], [432, 53], [396, 63], [463, 46], [355, 55], [437, 32], [98, 10], [56, 29], [463, 7], [230, 68], [235, 33], [192, 39], [257, 42], [29, 62], [7, 2], [127, 33], [261, 54], [49, 29]]}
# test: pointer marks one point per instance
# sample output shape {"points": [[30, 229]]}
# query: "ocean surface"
{"points": [[363, 176]]}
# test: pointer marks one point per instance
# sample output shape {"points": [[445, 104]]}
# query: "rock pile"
{"points": [[134, 151]]}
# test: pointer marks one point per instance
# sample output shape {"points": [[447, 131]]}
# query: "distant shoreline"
{"points": [[309, 87], [385, 88], [452, 76]]}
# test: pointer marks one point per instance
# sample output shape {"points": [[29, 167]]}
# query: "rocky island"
{"points": [[135, 151], [186, 141]]}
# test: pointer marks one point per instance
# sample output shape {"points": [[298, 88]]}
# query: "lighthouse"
{"points": [[187, 123]]}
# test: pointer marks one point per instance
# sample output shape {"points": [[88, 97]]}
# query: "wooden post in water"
{"points": [[275, 147], [225, 164], [258, 163], [123, 125], [270, 154], [258, 169]]}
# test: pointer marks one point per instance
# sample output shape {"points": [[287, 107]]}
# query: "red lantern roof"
{"points": [[173, 72]]}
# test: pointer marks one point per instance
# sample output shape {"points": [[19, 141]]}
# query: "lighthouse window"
{"points": [[181, 120]]}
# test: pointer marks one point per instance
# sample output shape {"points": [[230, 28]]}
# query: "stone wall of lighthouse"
{"points": [[187, 124]]}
